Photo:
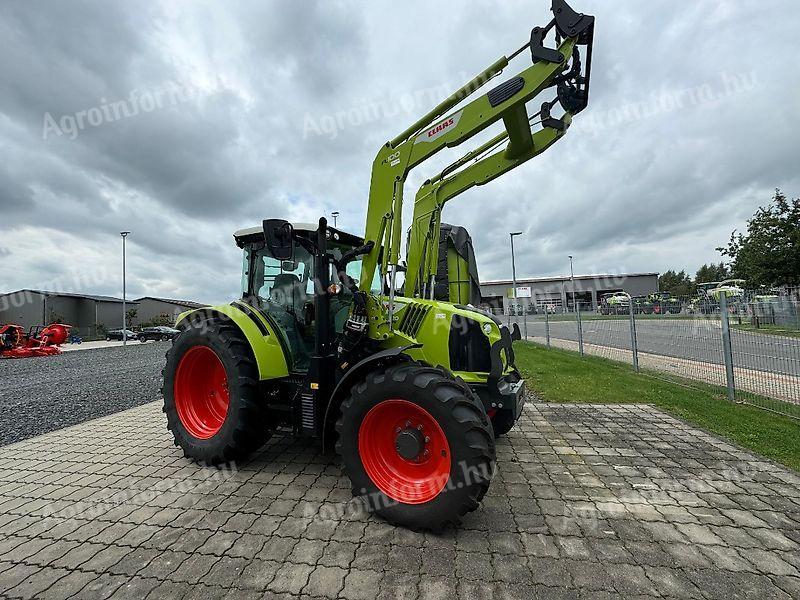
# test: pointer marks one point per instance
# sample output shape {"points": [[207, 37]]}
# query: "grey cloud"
{"points": [[641, 193]]}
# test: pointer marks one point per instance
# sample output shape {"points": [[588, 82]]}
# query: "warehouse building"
{"points": [[86, 312], [557, 292], [30, 308], [150, 309]]}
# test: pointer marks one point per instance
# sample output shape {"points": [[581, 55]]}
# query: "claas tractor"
{"points": [[663, 303], [409, 390], [614, 304]]}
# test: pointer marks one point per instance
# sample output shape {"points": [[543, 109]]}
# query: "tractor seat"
{"points": [[288, 291]]}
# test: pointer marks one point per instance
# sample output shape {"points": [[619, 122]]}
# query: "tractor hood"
{"points": [[470, 342]]}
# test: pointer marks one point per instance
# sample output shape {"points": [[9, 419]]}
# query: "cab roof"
{"points": [[256, 234]]}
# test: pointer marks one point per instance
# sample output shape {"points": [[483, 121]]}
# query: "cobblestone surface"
{"points": [[589, 502]]}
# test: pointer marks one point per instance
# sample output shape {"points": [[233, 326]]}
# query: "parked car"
{"points": [[120, 334], [157, 333]]}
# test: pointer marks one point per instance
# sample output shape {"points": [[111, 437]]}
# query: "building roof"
{"points": [[185, 303], [566, 278], [95, 297]]}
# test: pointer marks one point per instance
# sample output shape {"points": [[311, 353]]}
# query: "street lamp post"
{"points": [[124, 235], [335, 215], [514, 283], [575, 306]]}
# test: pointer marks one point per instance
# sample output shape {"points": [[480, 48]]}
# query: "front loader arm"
{"points": [[423, 247], [444, 127]]}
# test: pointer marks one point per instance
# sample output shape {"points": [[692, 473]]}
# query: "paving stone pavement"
{"points": [[589, 502]]}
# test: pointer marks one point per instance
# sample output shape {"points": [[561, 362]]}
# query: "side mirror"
{"points": [[278, 235]]}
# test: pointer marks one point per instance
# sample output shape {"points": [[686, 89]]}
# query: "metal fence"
{"points": [[747, 343]]}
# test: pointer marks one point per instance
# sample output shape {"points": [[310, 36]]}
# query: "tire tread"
{"points": [[467, 415], [250, 431]]}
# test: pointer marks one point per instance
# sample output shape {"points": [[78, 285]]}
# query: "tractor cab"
{"points": [[285, 287]]}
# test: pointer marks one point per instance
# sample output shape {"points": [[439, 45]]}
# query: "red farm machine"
{"points": [[38, 341]]}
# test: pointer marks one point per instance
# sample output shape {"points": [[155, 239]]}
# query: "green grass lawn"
{"points": [[768, 330], [564, 376]]}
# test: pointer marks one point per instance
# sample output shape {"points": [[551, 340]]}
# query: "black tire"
{"points": [[463, 421], [502, 422], [245, 428]]}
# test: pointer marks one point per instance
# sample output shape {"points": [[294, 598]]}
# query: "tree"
{"points": [[55, 317], [769, 253], [677, 284], [712, 272], [130, 316], [162, 319]]}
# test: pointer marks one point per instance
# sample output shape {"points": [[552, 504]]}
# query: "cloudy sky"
{"points": [[184, 122]]}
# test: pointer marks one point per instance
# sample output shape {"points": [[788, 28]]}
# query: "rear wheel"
{"points": [[211, 395], [416, 445]]}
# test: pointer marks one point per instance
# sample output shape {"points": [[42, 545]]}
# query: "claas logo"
{"points": [[441, 127]]}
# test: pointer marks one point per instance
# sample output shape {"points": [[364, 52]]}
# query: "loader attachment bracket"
{"points": [[573, 87], [550, 121], [571, 23], [539, 51]]}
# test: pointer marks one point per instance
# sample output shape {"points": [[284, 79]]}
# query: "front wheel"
{"points": [[502, 422], [211, 395], [417, 446]]}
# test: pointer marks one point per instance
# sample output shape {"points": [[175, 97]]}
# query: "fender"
{"points": [[257, 330], [353, 375]]}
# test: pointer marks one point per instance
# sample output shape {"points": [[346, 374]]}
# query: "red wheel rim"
{"points": [[201, 392], [404, 479]]}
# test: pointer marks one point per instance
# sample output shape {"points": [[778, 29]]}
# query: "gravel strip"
{"points": [[38, 395]]}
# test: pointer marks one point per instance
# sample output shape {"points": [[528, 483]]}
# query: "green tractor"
{"points": [[614, 304], [410, 391], [708, 296], [642, 305], [664, 303]]}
